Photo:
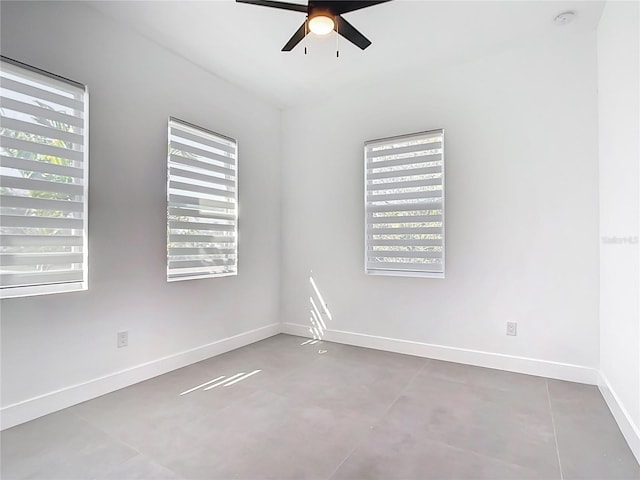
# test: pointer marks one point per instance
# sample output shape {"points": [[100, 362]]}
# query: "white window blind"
{"points": [[404, 204], [202, 203], [43, 182]]}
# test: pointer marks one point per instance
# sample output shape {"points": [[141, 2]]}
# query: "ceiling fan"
{"points": [[323, 17]]}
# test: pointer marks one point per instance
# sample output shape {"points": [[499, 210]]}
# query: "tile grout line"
{"points": [[359, 442], [555, 433], [104, 432], [120, 441], [482, 455], [475, 452]]}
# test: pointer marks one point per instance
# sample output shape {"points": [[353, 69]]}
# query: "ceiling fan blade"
{"points": [[349, 32], [282, 5], [345, 7], [296, 38]]}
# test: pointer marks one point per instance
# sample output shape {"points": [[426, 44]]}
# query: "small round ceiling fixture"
{"points": [[321, 24], [564, 18]]}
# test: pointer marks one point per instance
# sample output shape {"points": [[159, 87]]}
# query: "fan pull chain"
{"points": [[306, 32], [337, 39]]}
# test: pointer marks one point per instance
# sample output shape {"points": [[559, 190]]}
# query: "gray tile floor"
{"points": [[327, 411]]}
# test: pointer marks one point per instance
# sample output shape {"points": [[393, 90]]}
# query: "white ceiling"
{"points": [[241, 43]]}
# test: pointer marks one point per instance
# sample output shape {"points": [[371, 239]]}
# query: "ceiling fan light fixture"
{"points": [[322, 17], [321, 24]]}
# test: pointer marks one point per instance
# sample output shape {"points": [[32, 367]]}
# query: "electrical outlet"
{"points": [[512, 328], [123, 339]]}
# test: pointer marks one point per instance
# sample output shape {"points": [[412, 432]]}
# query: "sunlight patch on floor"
{"points": [[222, 380]]}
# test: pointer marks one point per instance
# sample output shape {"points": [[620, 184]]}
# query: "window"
{"points": [[43, 182], [404, 204], [202, 203]]}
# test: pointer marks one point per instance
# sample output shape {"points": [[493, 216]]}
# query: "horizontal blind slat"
{"points": [[40, 112], [40, 148], [182, 173], [196, 225], [200, 203], [374, 242], [7, 259], [180, 133], [177, 238], [33, 91], [404, 231], [40, 166], [37, 129], [200, 263], [405, 266], [387, 197], [198, 213], [40, 204], [201, 189], [42, 278], [193, 162], [405, 172], [40, 185], [183, 147], [402, 254], [201, 251], [404, 219], [41, 240], [201, 226], [421, 159], [403, 149], [40, 222], [404, 184], [202, 272], [406, 207]]}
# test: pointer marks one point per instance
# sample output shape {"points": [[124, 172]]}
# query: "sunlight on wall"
{"points": [[318, 311]]}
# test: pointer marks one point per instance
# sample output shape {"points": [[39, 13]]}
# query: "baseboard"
{"points": [[630, 431], [35, 407], [32, 408], [530, 366]]}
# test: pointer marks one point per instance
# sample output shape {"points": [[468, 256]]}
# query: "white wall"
{"points": [[619, 135], [522, 206], [56, 341]]}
